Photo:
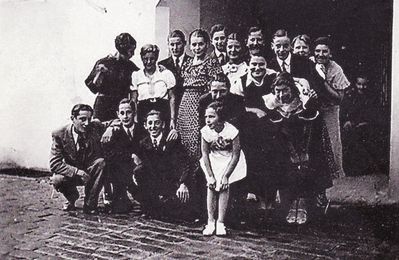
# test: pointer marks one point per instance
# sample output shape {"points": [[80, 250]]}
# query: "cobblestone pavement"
{"points": [[34, 227]]}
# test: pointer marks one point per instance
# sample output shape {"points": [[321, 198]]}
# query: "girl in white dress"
{"points": [[223, 162]]}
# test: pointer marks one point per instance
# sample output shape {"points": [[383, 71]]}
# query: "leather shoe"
{"points": [[69, 206], [90, 211]]}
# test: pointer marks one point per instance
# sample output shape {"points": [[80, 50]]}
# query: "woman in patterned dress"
{"points": [[197, 74]]}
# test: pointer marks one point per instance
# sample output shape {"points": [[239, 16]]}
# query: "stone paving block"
{"points": [[151, 249], [30, 245], [108, 255], [25, 254], [74, 233], [65, 239], [135, 254], [134, 233], [168, 238], [115, 248]]}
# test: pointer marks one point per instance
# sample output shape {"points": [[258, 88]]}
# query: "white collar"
{"points": [[159, 138], [75, 135], [130, 129], [181, 58], [250, 79], [287, 60], [217, 52]]}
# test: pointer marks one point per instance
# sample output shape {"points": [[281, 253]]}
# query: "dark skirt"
{"points": [[106, 107]]}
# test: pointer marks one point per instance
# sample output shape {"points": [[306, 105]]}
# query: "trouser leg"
{"points": [[94, 186], [67, 186]]}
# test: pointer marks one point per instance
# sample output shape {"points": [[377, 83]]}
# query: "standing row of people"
{"points": [[269, 126]]}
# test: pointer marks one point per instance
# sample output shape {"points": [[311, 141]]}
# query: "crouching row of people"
{"points": [[148, 162]]}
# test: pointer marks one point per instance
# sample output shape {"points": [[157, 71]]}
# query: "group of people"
{"points": [[183, 133]]}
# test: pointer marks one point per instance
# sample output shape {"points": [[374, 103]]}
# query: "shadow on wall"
{"points": [[49, 48]]}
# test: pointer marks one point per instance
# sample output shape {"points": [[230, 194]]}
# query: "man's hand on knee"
{"points": [[85, 177], [182, 193]]}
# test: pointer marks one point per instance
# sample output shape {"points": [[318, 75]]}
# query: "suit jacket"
{"points": [[63, 154], [212, 55], [234, 108], [300, 67], [170, 65], [166, 167], [121, 147]]}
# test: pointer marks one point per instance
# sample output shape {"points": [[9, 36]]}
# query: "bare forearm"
{"points": [[231, 166], [333, 94], [172, 104]]}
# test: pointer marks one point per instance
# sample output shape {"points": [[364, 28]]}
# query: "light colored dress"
{"points": [[234, 72], [220, 158]]}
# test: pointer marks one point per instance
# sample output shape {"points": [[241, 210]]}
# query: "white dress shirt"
{"points": [[287, 63]]}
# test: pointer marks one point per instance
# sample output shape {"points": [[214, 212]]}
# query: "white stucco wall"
{"points": [[394, 152], [47, 48]]}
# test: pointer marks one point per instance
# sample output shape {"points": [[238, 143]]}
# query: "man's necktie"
{"points": [[81, 149], [221, 58], [177, 65], [129, 134], [155, 144], [284, 66]]}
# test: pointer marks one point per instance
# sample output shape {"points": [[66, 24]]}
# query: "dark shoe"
{"points": [[69, 206], [90, 211]]}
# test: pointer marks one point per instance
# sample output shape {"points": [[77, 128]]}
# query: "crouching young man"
{"points": [[76, 159], [121, 156], [164, 178]]}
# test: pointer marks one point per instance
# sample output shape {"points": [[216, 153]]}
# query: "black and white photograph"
{"points": [[199, 129]]}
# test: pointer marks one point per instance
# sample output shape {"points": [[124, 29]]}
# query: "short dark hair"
{"points": [[217, 28], [285, 78], [258, 55], [149, 48], [221, 78], [280, 33], [124, 42], [253, 29], [219, 109], [302, 37], [179, 34], [153, 112], [324, 40], [80, 107], [236, 36], [200, 33], [129, 102]]}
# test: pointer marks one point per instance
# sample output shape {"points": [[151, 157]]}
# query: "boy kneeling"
{"points": [[164, 177]]}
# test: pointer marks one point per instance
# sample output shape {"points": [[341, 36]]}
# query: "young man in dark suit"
{"points": [[284, 60], [233, 104], [121, 156], [76, 158], [164, 177], [218, 35], [174, 63]]}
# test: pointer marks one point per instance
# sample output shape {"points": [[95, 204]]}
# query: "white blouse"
{"points": [[152, 86]]}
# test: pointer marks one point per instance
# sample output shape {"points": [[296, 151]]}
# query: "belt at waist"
{"points": [[109, 96], [201, 90]]}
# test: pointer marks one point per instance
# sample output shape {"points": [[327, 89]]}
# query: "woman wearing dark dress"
{"points": [[304, 171], [257, 139], [197, 73], [110, 78]]}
